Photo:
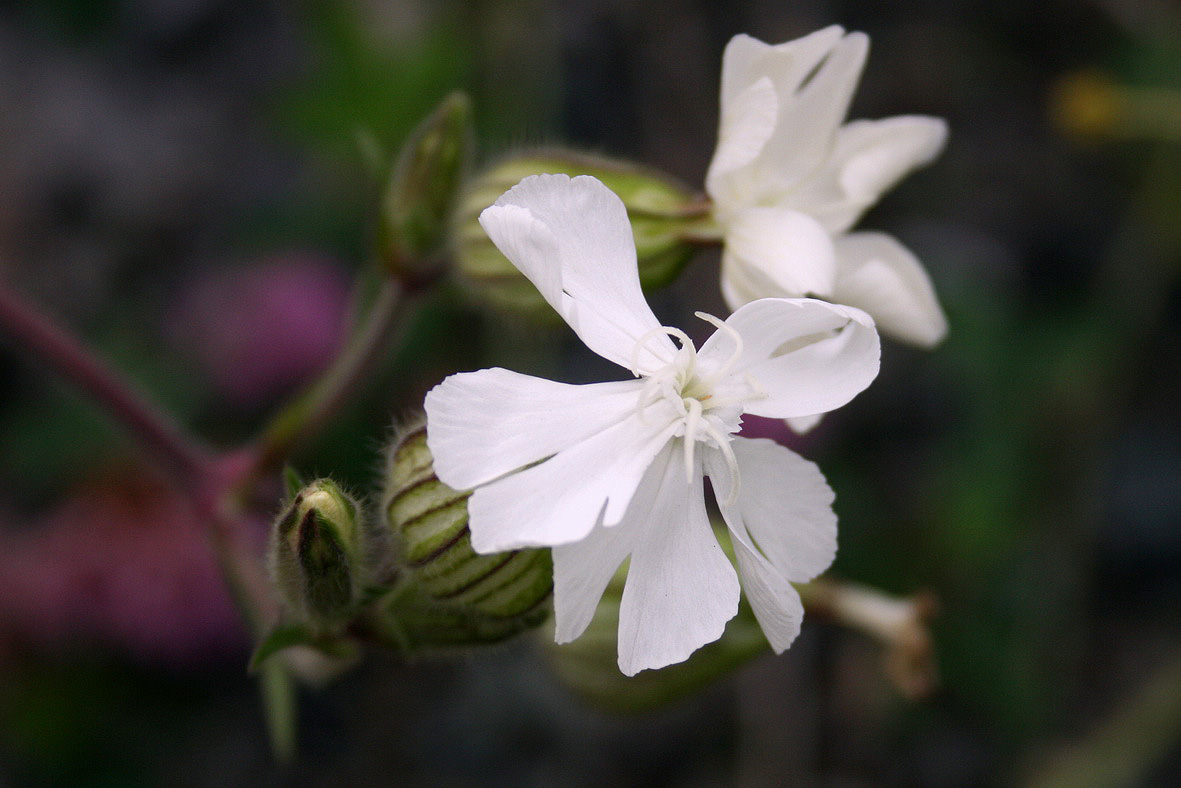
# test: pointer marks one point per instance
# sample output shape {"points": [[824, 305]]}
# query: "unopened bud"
{"points": [[317, 555], [451, 595], [663, 215], [416, 210]]}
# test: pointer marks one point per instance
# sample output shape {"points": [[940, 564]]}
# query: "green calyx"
{"points": [[665, 217], [451, 595]]}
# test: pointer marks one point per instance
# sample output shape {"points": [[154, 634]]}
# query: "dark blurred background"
{"points": [[187, 184]]}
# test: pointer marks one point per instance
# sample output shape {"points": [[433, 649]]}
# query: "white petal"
{"points": [[806, 118], [883, 277], [787, 249], [748, 121], [583, 569], [559, 500], [742, 283], [806, 356], [869, 158], [571, 237], [482, 425], [747, 59], [876, 154], [783, 529], [786, 505], [681, 588], [809, 118], [776, 604]]}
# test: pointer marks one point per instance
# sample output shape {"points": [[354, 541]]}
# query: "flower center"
{"points": [[691, 394]]}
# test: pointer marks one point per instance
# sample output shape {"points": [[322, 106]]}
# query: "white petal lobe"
{"points": [[787, 249], [786, 506], [747, 123], [883, 277], [583, 569], [806, 356], [783, 529], [681, 589], [571, 237], [560, 500], [527, 419]]}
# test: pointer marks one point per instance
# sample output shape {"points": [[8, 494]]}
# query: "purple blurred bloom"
{"points": [[258, 332], [123, 563]]}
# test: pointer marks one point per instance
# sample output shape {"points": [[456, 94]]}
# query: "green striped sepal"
{"points": [[449, 595]]}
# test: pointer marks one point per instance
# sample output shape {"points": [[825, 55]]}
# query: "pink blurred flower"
{"points": [[122, 563], [259, 331]]}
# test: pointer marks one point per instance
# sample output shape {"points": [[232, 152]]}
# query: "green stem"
{"points": [[313, 409], [240, 568]]}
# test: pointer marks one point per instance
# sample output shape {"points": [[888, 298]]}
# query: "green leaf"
{"points": [[292, 482], [281, 637]]}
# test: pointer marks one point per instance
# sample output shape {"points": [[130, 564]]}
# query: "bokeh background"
{"points": [[188, 184]]}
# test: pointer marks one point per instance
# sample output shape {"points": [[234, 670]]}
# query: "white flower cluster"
{"points": [[790, 178], [609, 472]]}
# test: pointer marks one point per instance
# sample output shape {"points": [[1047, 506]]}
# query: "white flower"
{"points": [[605, 471], [788, 180]]}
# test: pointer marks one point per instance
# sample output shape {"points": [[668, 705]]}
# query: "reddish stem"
{"points": [[194, 468], [33, 332]]}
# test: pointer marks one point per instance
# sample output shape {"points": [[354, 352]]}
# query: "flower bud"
{"points": [[663, 215], [317, 556], [588, 666], [419, 200], [451, 595], [1092, 106]]}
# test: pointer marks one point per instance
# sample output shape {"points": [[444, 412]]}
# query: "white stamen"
{"points": [[642, 342], [723, 443], [677, 384], [736, 354]]}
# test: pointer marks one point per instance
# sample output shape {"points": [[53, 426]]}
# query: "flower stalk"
{"points": [[900, 625], [310, 412], [191, 466], [36, 333]]}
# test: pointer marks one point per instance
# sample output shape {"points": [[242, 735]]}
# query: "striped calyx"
{"points": [[453, 596]]}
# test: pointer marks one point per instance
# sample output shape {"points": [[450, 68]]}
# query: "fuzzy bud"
{"points": [[418, 203], [317, 556], [451, 595], [664, 216]]}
